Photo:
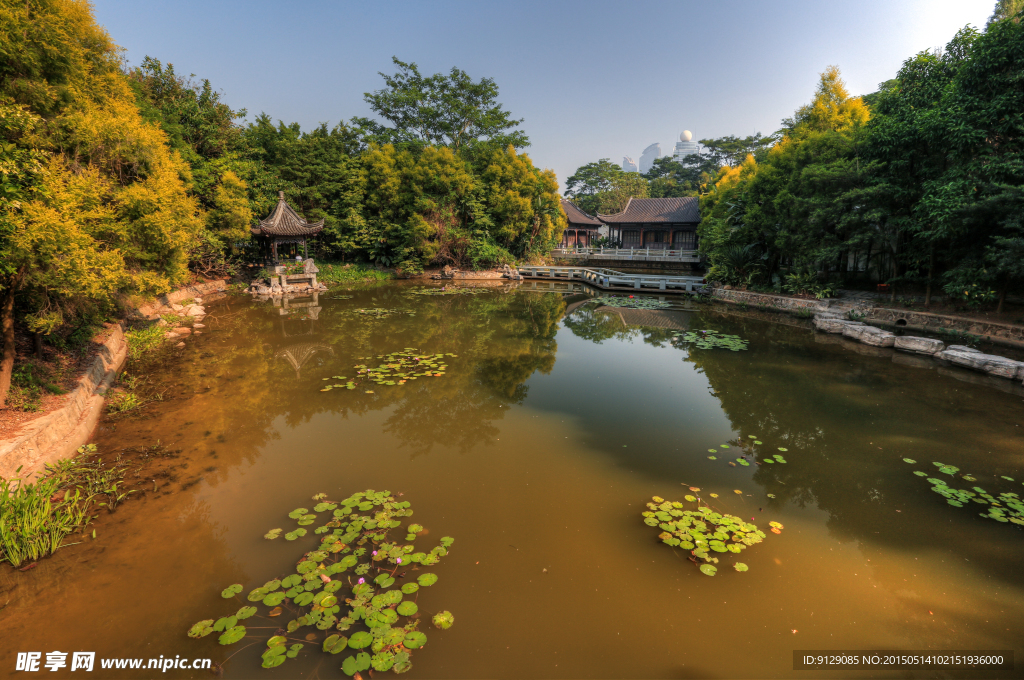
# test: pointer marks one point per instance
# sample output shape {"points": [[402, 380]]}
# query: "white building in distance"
{"points": [[685, 146], [628, 164], [650, 154]]}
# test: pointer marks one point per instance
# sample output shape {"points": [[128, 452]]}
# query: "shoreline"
{"points": [[59, 433]]}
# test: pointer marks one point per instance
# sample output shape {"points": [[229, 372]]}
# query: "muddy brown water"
{"points": [[537, 451]]}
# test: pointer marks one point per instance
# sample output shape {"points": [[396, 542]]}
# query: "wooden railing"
{"points": [[640, 254]]}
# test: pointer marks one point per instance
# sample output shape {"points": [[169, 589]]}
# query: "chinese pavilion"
{"points": [[581, 228], [284, 227], [657, 223]]}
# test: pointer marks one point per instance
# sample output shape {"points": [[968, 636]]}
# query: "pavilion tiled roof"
{"points": [[657, 210], [284, 221], [577, 218]]}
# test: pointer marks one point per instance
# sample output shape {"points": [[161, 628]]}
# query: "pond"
{"points": [[550, 428]]}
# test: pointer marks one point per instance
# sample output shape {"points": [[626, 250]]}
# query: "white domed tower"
{"points": [[685, 146]]}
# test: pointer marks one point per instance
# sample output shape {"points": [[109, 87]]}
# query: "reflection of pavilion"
{"points": [[299, 353]]}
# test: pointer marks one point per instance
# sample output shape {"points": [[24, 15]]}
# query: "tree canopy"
{"points": [[441, 110]]}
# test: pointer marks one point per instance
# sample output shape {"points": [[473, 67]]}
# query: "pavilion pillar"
{"points": [[273, 251], [305, 252]]}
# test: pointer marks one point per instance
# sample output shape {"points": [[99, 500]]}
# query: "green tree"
{"points": [[441, 110], [585, 186]]}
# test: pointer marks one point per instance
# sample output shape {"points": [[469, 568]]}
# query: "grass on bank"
{"points": [[36, 517], [331, 272]]}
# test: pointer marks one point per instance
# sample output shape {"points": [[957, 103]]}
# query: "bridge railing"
{"points": [[648, 254], [610, 279]]}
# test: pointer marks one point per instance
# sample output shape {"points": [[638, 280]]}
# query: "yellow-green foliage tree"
{"points": [[524, 215], [107, 212], [429, 206], [793, 209]]}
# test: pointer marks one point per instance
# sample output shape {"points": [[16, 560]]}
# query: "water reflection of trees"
{"points": [[250, 372], [848, 420], [597, 324]]}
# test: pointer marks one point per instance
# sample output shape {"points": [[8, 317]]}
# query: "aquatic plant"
{"points": [[143, 340], [36, 517], [397, 369], [446, 290], [701, 531], [710, 339], [313, 595], [631, 302], [381, 312], [1006, 507]]}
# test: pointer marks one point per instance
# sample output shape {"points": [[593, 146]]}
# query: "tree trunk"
{"points": [[931, 271], [1002, 294], [7, 331]]}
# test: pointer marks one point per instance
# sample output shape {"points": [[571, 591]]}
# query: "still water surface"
{"points": [[537, 451]]}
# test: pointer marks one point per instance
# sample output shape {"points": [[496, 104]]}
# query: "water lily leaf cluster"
{"points": [[447, 290], [396, 368], [1004, 507], [356, 593], [381, 312], [711, 339], [749, 453], [702, 531], [631, 302]]}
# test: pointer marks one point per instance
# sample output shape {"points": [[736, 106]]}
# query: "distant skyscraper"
{"points": [[628, 164], [685, 147], [651, 154]]}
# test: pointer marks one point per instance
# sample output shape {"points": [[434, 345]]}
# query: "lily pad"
{"points": [[407, 608], [427, 579], [232, 635], [335, 644], [201, 629], [414, 640], [273, 533], [444, 620], [245, 612], [739, 566], [708, 569], [410, 588], [231, 590], [782, 448], [909, 460], [274, 599], [360, 640]]}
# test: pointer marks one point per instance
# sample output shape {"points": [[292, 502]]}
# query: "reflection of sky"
{"points": [[627, 392]]}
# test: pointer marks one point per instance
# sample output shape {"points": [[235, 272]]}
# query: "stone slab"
{"points": [[910, 343], [997, 366], [869, 335], [828, 325]]}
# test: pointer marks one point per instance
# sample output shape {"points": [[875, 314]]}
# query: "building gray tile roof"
{"points": [[657, 210], [284, 221], [577, 218]]}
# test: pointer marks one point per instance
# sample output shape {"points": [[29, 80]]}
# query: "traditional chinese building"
{"points": [[658, 223], [283, 233], [581, 229]]}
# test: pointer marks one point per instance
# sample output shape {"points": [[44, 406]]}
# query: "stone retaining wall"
{"points": [[998, 333], [58, 434], [779, 302]]}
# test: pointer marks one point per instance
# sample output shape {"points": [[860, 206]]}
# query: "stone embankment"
{"points": [[867, 310], [59, 433], [956, 355]]}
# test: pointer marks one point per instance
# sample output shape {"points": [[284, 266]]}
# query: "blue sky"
{"points": [[592, 79]]}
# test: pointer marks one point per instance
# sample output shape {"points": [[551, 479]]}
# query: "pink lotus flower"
{"points": [[399, 560], [362, 580]]}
